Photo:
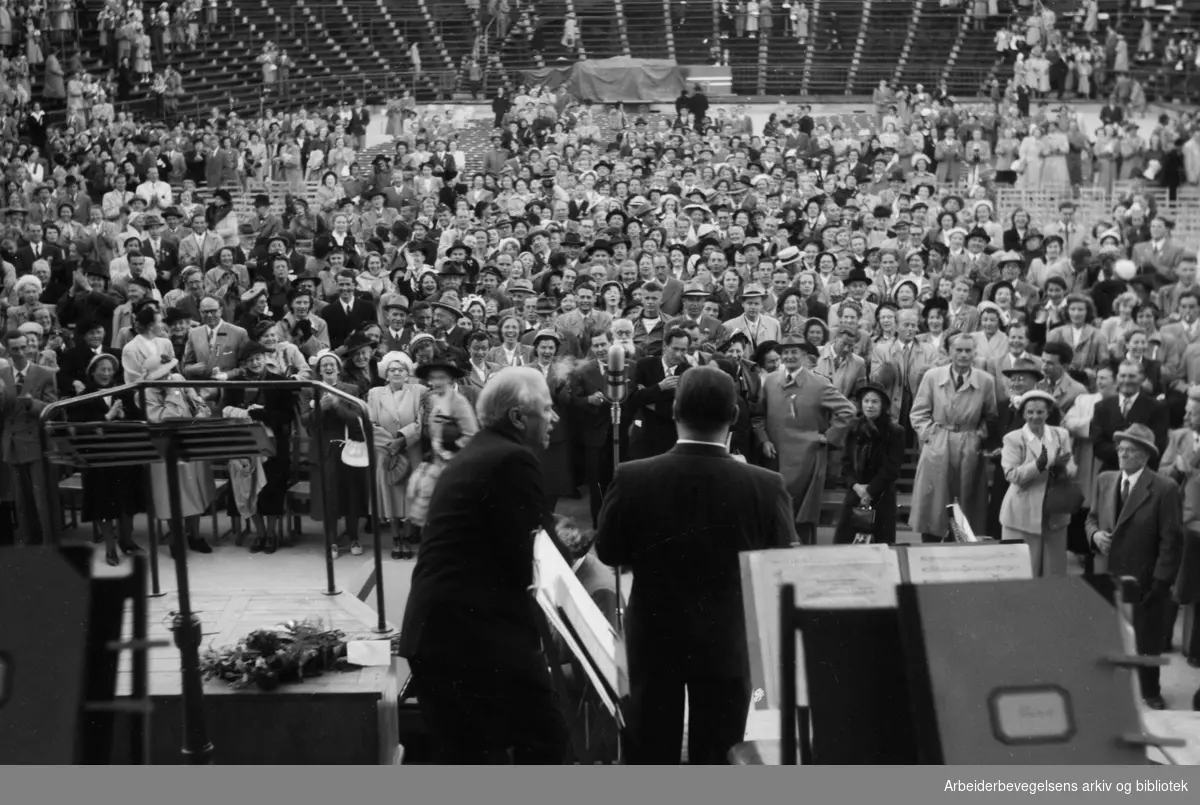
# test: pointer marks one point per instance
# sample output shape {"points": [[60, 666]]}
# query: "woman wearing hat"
{"points": [[1034, 457], [260, 485], [338, 490], [871, 465], [396, 411], [991, 339], [283, 357], [113, 495], [448, 417]]}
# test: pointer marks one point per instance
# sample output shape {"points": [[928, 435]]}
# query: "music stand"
{"points": [[179, 440]]}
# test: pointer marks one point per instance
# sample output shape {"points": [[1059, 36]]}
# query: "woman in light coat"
{"points": [[396, 409], [1029, 456]]}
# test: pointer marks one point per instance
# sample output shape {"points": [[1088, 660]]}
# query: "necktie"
{"points": [[1125, 403], [1124, 495], [212, 339], [37, 250], [20, 381], [958, 381]]}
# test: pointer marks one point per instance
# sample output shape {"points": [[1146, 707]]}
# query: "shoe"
{"points": [[199, 545], [397, 550], [270, 546], [257, 545], [111, 557], [1155, 702], [334, 550], [355, 549], [240, 539], [129, 548]]}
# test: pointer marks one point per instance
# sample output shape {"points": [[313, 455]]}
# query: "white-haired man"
{"points": [[469, 630]]}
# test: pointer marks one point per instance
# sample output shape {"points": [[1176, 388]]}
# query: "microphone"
{"points": [[615, 374]]}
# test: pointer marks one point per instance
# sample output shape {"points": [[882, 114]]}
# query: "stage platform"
{"points": [[336, 718]]}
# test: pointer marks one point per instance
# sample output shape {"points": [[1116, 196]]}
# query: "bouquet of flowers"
{"points": [[268, 658]]}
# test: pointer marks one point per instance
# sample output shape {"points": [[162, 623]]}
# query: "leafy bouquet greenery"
{"points": [[268, 658]]}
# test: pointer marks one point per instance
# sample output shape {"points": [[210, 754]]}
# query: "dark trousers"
{"points": [[597, 474], [30, 485], [478, 714], [1150, 628], [1153, 635], [717, 708]]}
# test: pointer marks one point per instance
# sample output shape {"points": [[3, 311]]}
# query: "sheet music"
{"points": [[834, 576], [934, 564], [825, 577], [1183, 724], [562, 595]]}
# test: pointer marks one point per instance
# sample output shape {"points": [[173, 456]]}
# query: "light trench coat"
{"points": [[399, 415], [1078, 422], [951, 425], [1023, 502], [802, 419]]}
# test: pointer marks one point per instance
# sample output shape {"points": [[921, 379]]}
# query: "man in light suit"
{"points": [[1136, 525], [584, 322], [25, 390], [1160, 255], [757, 326], [197, 248], [679, 521], [212, 348], [904, 361]]}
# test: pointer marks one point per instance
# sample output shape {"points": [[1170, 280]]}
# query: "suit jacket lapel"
{"points": [[1137, 496]]}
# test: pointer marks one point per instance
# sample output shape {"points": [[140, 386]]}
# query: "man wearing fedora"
{"points": [[899, 366], [757, 326], [1135, 524], [857, 284], [801, 416], [446, 314], [712, 331]]}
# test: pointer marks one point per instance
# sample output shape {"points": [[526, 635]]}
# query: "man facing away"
{"points": [[679, 520], [469, 628]]}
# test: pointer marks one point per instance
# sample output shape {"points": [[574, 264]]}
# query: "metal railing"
{"points": [[51, 413]]}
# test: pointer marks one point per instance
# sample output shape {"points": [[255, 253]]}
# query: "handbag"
{"points": [[1063, 495], [354, 454], [862, 518], [396, 465]]}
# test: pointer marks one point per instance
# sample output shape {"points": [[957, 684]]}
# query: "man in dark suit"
{"points": [[348, 312], [164, 253], [652, 393], [36, 249], [469, 627], [25, 390], [679, 521], [1135, 523], [592, 421], [1130, 405]]}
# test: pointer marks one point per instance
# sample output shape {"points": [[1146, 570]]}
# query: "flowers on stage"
{"points": [[268, 658]]}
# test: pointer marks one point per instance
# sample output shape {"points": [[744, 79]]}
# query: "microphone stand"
{"points": [[615, 406]]}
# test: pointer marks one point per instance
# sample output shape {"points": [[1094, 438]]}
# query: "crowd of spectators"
{"points": [[821, 266]]}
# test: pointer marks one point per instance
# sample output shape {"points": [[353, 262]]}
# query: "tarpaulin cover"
{"points": [[615, 80]]}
